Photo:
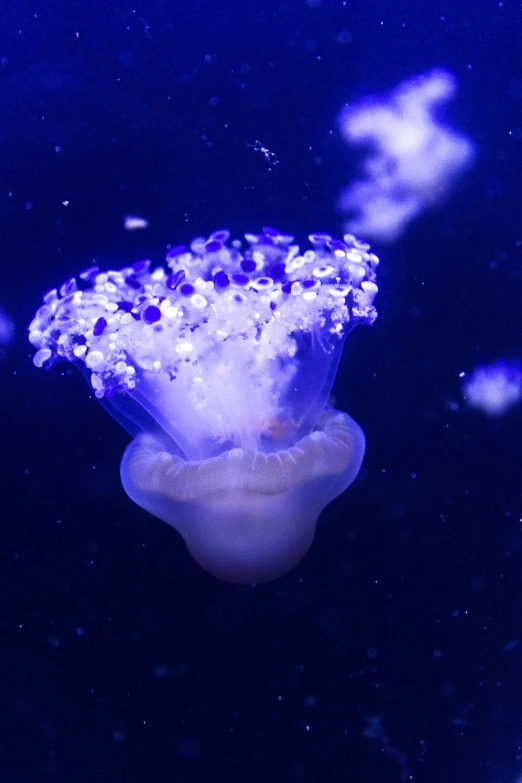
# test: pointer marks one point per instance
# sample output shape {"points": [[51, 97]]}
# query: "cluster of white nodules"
{"points": [[212, 302], [495, 388], [413, 157]]}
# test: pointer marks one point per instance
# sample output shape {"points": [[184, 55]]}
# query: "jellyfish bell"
{"points": [[220, 366], [247, 516]]}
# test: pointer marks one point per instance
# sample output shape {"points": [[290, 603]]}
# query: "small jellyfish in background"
{"points": [[7, 329], [413, 158], [7, 332], [134, 223], [494, 389], [220, 366]]}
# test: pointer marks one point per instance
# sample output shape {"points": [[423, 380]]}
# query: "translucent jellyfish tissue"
{"points": [[412, 157], [220, 365], [495, 388]]}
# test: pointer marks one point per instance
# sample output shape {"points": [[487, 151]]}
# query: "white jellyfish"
{"points": [[495, 388], [221, 366], [413, 158], [7, 329]]}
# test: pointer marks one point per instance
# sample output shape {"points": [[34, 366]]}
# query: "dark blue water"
{"points": [[392, 652]]}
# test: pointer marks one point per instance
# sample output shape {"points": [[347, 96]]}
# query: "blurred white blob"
{"points": [[413, 158], [7, 329], [495, 388], [131, 223]]}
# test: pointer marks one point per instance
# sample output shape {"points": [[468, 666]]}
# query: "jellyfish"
{"points": [[413, 158], [7, 329], [495, 388], [220, 365]]}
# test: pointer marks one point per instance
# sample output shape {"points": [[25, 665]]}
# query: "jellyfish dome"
{"points": [[220, 365]]}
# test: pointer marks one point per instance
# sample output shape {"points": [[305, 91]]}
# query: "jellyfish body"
{"points": [[220, 365], [495, 388], [413, 158]]}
